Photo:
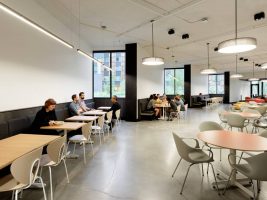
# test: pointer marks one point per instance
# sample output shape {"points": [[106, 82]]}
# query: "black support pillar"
{"points": [[226, 87], [187, 83], [131, 82]]}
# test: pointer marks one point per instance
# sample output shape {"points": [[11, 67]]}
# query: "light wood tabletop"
{"points": [[69, 126], [14, 147], [246, 115], [103, 108], [234, 140], [94, 112], [82, 118]]}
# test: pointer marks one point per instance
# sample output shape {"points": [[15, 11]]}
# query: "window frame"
{"points": [[216, 75], [174, 68], [110, 74]]}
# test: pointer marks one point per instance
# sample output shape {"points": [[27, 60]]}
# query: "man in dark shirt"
{"points": [[172, 108], [115, 106], [45, 117]]}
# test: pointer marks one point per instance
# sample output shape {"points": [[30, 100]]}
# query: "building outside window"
{"points": [[174, 81], [108, 83], [216, 83]]}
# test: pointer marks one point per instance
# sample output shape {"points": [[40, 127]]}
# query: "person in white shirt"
{"points": [[82, 102]]}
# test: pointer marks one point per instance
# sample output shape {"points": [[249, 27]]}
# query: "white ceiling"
{"points": [[128, 21]]}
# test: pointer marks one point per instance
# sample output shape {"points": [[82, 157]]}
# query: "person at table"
{"points": [[45, 117], [178, 101], [74, 107], [157, 99], [172, 108], [115, 106], [82, 102], [151, 106]]}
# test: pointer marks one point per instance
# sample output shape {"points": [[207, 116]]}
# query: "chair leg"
{"points": [[202, 169], [51, 182], [13, 194], [16, 194], [176, 167], [253, 188], [215, 178], [185, 178], [220, 155], [92, 147], [84, 156], [99, 136], [66, 170], [228, 181], [240, 157], [74, 147], [41, 180], [21, 194]]}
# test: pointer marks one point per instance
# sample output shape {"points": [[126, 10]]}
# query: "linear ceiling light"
{"points": [[237, 45], [236, 75], [33, 24], [152, 60], [93, 59], [208, 70]]}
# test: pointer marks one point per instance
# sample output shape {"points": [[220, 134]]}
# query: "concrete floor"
{"points": [[136, 163]]}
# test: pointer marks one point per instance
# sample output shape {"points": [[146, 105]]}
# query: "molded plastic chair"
{"points": [[100, 127], [262, 110], [222, 117], [24, 172], [236, 121], [107, 123], [55, 154], [193, 156], [176, 113], [254, 169], [82, 139], [118, 116]]}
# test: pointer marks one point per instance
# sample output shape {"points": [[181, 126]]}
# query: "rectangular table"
{"points": [[94, 113], [82, 118], [16, 146], [103, 108], [67, 126]]}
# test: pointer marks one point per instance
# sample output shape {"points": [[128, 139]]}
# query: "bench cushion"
{"points": [[3, 130], [18, 125]]}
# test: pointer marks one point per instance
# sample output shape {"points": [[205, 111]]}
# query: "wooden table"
{"points": [[235, 141], [246, 115], [94, 113], [67, 126], [104, 108], [82, 118], [16, 146], [163, 106]]}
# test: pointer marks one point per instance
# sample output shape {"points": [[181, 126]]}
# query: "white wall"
{"points": [[150, 79], [239, 90], [199, 83], [34, 67]]}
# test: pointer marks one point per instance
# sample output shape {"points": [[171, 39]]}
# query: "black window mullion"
{"points": [[110, 74]]}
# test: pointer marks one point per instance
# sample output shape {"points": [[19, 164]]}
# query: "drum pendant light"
{"points": [[208, 70], [236, 75]]}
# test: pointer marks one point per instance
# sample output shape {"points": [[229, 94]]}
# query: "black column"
{"points": [[187, 84], [131, 82], [226, 87]]}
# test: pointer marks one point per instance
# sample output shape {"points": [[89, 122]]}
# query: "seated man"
{"points": [[82, 102], [115, 106], [172, 108], [151, 105], [74, 106], [45, 117], [178, 101]]}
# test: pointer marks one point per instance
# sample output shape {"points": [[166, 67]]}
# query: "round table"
{"points": [[234, 141]]}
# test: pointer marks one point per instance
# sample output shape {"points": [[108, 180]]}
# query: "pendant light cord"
{"points": [[152, 38], [208, 55], [235, 19], [236, 63]]}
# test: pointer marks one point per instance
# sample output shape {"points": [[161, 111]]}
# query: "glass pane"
{"points": [[264, 90], [102, 76], [118, 74], [255, 91], [179, 81], [212, 84], [220, 84], [169, 81]]}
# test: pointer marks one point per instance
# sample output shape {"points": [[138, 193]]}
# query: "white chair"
{"points": [[24, 172], [236, 121], [222, 117], [55, 155], [176, 113], [83, 139], [99, 128], [118, 116], [184, 113], [107, 123]]}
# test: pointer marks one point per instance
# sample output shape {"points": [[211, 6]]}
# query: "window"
{"points": [[264, 88], [108, 83], [216, 84], [174, 81]]}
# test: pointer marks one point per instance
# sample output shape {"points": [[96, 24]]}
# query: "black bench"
{"points": [[142, 111]]}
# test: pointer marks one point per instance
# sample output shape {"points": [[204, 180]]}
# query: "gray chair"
{"points": [[209, 126], [254, 169], [236, 121], [193, 156]]}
